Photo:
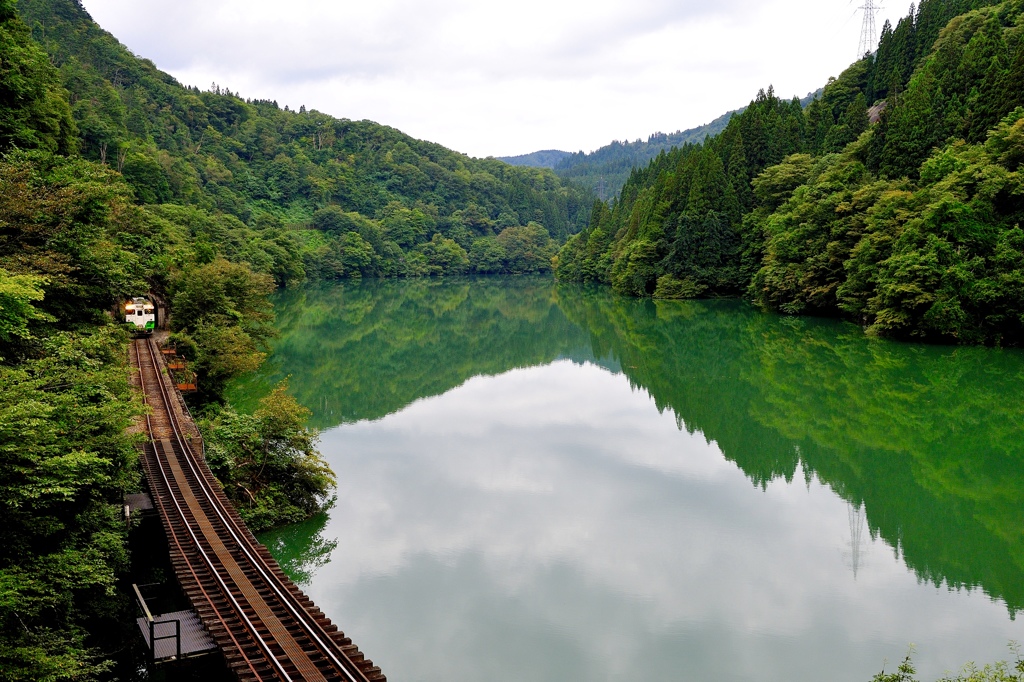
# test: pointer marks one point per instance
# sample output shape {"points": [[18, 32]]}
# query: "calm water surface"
{"points": [[548, 482]]}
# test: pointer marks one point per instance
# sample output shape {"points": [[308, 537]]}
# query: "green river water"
{"points": [[548, 482]]}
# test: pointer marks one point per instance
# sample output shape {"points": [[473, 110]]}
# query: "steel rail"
{"points": [[223, 584], [160, 501], [310, 625], [188, 527], [258, 562]]}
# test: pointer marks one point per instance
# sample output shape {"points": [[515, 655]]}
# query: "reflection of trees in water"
{"points": [[364, 350], [301, 549], [922, 441], [926, 438]]}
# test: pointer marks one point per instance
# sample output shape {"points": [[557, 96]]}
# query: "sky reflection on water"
{"points": [[551, 523]]}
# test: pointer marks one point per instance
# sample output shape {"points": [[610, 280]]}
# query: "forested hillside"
{"points": [[115, 181], [251, 164], [605, 170], [547, 158], [65, 461], [909, 226]]}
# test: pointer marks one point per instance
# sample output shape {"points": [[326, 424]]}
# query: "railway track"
{"points": [[265, 626]]}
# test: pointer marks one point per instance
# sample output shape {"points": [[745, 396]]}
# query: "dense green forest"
{"points": [[606, 170], [73, 243], [115, 180], [65, 402], [250, 164], [909, 226]]}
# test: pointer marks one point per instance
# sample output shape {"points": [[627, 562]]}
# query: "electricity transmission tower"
{"points": [[868, 33]]}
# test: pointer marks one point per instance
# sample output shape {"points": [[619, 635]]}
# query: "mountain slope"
{"points": [[910, 227], [250, 159], [605, 170], [547, 158]]}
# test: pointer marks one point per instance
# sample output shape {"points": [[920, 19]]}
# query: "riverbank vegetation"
{"points": [[1002, 671], [73, 243], [268, 461], [909, 226]]}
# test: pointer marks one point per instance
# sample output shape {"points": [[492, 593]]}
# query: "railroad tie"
{"points": [[294, 652]]}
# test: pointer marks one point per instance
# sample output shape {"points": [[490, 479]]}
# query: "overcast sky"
{"points": [[498, 77]]}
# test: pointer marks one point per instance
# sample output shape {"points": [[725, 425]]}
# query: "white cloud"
{"points": [[498, 77]]}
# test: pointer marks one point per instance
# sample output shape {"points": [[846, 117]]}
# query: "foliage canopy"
{"points": [[910, 226]]}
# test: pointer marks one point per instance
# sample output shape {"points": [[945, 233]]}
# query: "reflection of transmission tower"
{"points": [[868, 34], [857, 546]]}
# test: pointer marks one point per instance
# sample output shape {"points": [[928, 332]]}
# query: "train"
{"points": [[141, 313]]}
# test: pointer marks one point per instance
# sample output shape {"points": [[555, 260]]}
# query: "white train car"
{"points": [[141, 313]]}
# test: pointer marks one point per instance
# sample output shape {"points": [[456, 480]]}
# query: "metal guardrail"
{"points": [[153, 623]]}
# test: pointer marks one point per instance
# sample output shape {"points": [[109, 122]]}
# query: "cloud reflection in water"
{"points": [[550, 523]]}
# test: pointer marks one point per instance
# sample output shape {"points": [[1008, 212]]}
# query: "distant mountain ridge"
{"points": [[548, 158], [606, 170]]}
